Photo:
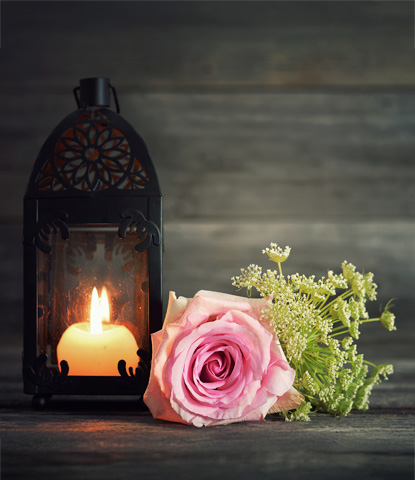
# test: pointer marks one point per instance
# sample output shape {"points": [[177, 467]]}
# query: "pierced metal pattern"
{"points": [[147, 230], [92, 167], [52, 224], [39, 374], [91, 156], [138, 376]]}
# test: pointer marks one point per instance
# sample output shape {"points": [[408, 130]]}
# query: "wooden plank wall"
{"points": [[290, 122]]}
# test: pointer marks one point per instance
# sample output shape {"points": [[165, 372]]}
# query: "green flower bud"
{"points": [[370, 286], [347, 343], [387, 319], [348, 271], [354, 330]]}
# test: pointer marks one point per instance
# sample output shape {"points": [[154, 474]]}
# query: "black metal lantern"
{"points": [[92, 255]]}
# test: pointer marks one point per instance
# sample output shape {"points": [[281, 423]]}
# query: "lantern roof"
{"points": [[93, 152]]}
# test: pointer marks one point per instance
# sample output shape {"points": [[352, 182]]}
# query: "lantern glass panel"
{"points": [[93, 257]]}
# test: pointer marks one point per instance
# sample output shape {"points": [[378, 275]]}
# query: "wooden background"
{"points": [[290, 122], [267, 121]]}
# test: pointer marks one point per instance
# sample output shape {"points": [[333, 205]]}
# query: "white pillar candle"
{"points": [[95, 348]]}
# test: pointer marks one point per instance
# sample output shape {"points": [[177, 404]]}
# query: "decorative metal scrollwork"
{"points": [[135, 221], [40, 374], [52, 224], [90, 156], [137, 377]]}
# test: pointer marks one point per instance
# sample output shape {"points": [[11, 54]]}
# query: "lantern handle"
{"points": [[75, 92], [114, 94]]}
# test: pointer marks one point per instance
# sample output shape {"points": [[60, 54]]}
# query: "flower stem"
{"points": [[344, 295], [336, 329], [370, 320], [340, 333]]}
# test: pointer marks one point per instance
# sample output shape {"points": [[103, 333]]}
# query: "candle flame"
{"points": [[100, 310], [104, 306]]}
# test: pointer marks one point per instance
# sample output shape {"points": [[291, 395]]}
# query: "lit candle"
{"points": [[95, 348]]}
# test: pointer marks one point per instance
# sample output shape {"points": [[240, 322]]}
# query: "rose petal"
{"points": [[175, 308], [280, 377], [154, 397], [216, 304], [242, 393], [291, 399], [215, 362]]}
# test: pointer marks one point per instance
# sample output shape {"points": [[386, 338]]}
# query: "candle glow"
{"points": [[95, 348], [100, 310]]}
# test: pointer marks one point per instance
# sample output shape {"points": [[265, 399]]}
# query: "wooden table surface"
{"points": [[287, 122], [100, 438]]}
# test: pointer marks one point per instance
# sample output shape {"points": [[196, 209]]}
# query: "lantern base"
{"points": [[39, 402], [44, 382]]}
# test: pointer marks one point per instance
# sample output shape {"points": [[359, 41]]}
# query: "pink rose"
{"points": [[214, 362]]}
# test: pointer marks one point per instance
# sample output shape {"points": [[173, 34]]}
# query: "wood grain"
{"points": [[289, 122], [269, 156], [204, 45], [205, 255], [99, 446], [100, 438]]}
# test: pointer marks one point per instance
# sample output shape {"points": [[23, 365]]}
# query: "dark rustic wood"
{"points": [[105, 439], [98, 446], [198, 45], [205, 255], [269, 156], [290, 122]]}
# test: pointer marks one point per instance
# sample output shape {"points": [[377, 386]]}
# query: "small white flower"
{"points": [[276, 253]]}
